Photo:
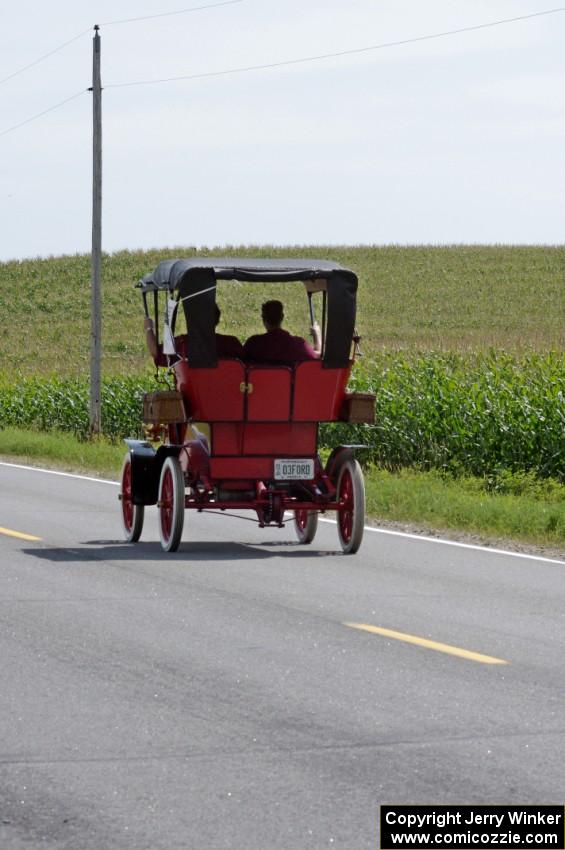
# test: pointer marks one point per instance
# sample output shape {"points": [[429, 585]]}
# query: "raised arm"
{"points": [[150, 337], [317, 337]]}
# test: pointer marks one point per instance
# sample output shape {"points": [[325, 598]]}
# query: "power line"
{"points": [[79, 35], [169, 14], [351, 52], [44, 56], [272, 64], [112, 23], [40, 114]]}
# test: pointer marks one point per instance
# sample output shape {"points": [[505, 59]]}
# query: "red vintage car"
{"points": [[258, 448]]}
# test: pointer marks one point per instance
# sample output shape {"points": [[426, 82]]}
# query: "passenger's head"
{"points": [[217, 314], [272, 314]]}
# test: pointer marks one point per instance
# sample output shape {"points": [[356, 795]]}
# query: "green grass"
{"points": [[63, 451], [520, 507], [518, 510], [412, 298]]}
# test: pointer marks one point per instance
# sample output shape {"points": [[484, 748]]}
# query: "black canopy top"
{"points": [[193, 281], [169, 274]]}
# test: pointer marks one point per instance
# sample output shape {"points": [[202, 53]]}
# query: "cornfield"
{"points": [[49, 404], [477, 414], [474, 414]]}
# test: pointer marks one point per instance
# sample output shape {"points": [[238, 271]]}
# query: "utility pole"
{"points": [[96, 299]]}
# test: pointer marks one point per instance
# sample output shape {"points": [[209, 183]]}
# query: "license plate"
{"points": [[289, 469]]}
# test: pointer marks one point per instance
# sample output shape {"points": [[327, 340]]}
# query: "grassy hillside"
{"points": [[414, 298]]}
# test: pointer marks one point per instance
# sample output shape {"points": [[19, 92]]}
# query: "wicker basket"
{"points": [[163, 408], [358, 408]]}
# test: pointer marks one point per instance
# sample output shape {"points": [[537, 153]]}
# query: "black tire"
{"points": [[171, 504], [132, 515], [351, 516], [305, 525]]}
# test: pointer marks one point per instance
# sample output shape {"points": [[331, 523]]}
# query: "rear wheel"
{"points": [[132, 515], [351, 513], [171, 504], [305, 525]]}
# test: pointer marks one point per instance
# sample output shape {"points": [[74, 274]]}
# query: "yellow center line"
{"points": [[19, 534], [428, 644]]}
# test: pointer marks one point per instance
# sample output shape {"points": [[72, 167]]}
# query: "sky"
{"points": [[448, 140]]}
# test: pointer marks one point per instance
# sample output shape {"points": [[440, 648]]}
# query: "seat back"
{"points": [[268, 393], [232, 392], [213, 395], [318, 392]]}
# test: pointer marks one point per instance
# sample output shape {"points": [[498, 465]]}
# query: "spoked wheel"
{"points": [[132, 515], [305, 525], [351, 514], [171, 504]]}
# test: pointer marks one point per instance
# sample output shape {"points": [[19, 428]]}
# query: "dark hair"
{"points": [[272, 312], [217, 314]]}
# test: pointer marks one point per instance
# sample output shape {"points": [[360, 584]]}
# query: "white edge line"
{"points": [[422, 537], [425, 539], [57, 472]]}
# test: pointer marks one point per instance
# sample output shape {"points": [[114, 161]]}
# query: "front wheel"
{"points": [[351, 513], [132, 514], [305, 525], [171, 504]]}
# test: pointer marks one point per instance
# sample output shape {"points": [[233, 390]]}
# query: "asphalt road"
{"points": [[216, 698]]}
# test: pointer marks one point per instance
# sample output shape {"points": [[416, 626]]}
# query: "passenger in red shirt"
{"points": [[226, 345], [277, 345]]}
